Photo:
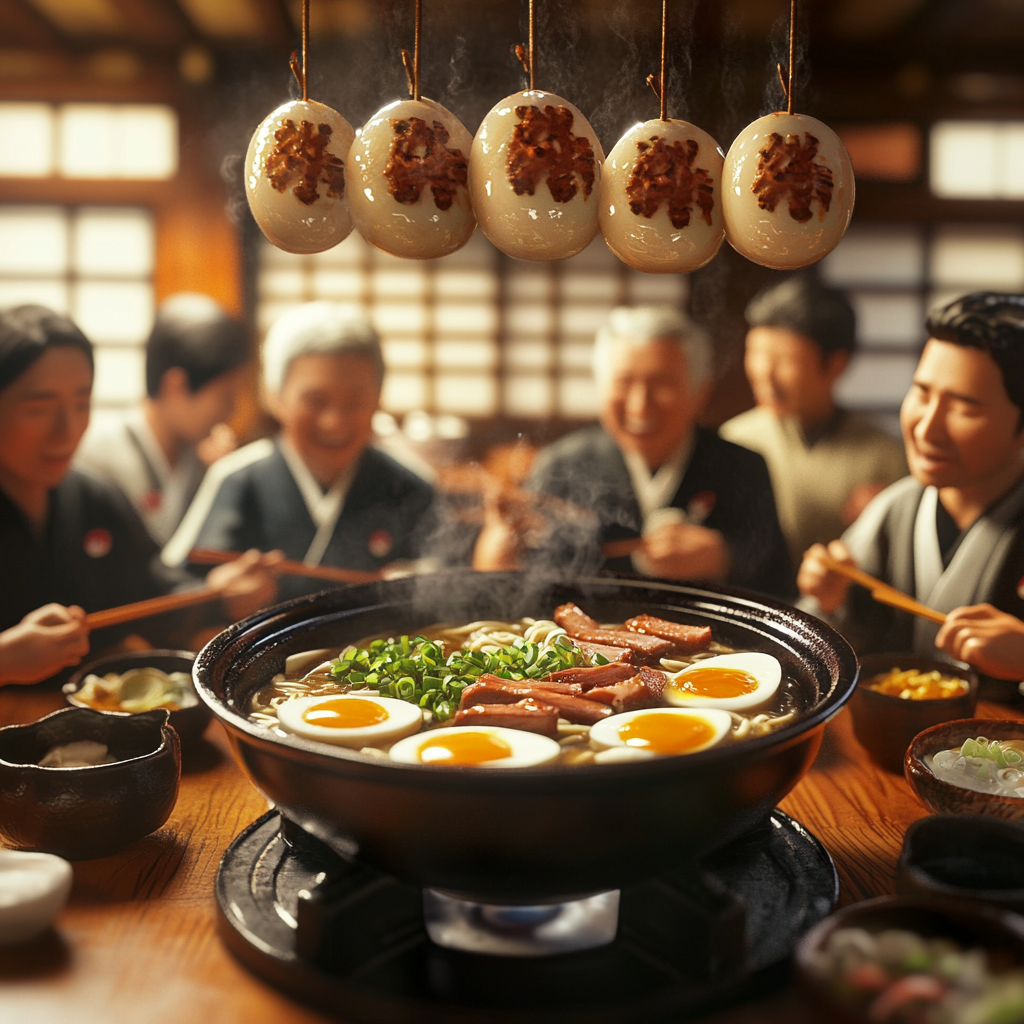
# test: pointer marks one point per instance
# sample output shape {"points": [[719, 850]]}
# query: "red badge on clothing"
{"points": [[700, 506], [97, 543], [152, 500], [379, 543]]}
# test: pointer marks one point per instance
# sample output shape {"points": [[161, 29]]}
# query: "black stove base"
{"points": [[351, 941]]}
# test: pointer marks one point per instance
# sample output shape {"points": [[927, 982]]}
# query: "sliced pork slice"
{"points": [[686, 639], [581, 626], [618, 655], [630, 695], [600, 675], [529, 715]]}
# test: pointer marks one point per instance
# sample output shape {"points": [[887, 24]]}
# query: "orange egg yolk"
{"points": [[667, 734], [348, 713], [716, 682], [460, 746]]}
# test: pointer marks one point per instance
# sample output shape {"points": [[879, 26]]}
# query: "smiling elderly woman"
{"points": [[698, 507], [319, 492]]}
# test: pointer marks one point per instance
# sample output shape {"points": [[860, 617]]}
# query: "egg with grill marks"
{"points": [[295, 177], [535, 176], [407, 180]]}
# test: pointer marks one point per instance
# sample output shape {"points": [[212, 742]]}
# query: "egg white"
{"points": [[763, 667], [286, 221], [605, 734], [529, 227], [653, 244], [528, 748], [403, 719], [419, 230], [773, 238]]}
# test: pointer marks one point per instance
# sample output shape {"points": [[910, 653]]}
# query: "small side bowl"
{"points": [[969, 925], [965, 857], [81, 813], [33, 890], [945, 798], [885, 725], [190, 723]]}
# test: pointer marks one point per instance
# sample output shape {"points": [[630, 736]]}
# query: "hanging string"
{"points": [[412, 65], [526, 55], [787, 86], [659, 86], [297, 71]]}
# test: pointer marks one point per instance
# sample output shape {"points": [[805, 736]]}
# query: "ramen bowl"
{"points": [[529, 835]]}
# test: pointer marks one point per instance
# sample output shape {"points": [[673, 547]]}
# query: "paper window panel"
{"points": [[874, 255], [33, 240], [889, 321], [113, 243], [120, 375], [530, 395], [119, 313], [32, 125], [467, 394]]}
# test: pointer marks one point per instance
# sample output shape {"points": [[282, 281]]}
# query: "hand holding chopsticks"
{"points": [[286, 567]]}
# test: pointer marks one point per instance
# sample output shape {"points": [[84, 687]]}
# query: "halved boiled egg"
{"points": [[407, 178], [731, 681], [787, 191], [295, 177], [534, 175], [476, 747], [660, 203], [350, 719], [663, 731]]}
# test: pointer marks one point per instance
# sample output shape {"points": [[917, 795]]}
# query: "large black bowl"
{"points": [[531, 835]]}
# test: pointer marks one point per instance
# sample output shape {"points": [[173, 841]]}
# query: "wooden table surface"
{"points": [[137, 941]]}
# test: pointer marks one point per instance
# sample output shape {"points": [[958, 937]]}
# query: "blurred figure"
{"points": [[826, 463], [194, 360], [952, 533], [69, 543], [320, 491], [691, 505]]}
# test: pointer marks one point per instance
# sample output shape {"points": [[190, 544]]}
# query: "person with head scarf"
{"points": [[194, 364], [69, 543], [320, 491], [826, 463], [647, 490], [952, 533]]}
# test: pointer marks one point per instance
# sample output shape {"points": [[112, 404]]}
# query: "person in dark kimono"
{"points": [[952, 533], [691, 505], [70, 544], [319, 492]]}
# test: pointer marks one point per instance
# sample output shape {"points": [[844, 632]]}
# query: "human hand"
{"points": [[509, 520], [815, 579], [247, 583], [45, 641], [683, 551], [990, 640]]}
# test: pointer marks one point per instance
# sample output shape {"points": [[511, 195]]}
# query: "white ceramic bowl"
{"points": [[33, 889]]}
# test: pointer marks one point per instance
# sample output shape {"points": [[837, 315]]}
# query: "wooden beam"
{"points": [[24, 25], [154, 22]]}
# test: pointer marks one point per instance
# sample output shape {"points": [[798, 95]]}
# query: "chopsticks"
{"points": [[151, 606], [882, 592], [210, 556], [621, 548]]}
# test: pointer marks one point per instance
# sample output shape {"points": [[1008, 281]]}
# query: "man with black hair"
{"points": [[952, 533], [194, 360], [826, 463]]}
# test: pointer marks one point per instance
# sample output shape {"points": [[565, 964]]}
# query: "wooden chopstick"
{"points": [[151, 606], [210, 556], [621, 548], [883, 592]]}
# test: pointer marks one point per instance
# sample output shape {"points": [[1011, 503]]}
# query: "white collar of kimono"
{"points": [[324, 508], [975, 566], [655, 490]]}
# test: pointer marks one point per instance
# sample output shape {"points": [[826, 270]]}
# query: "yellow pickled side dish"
{"points": [[912, 684]]}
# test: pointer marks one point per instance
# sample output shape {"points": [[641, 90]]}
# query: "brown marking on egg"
{"points": [[301, 152], [786, 167], [543, 145], [420, 157], [664, 172]]}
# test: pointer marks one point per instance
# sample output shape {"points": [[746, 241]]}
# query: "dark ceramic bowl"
{"points": [[537, 834], [969, 925], [964, 856], [189, 723], [80, 813], [945, 798], [885, 725]]}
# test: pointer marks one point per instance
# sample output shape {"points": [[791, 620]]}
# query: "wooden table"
{"points": [[137, 942]]}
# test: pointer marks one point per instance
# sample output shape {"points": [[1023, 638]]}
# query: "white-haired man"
{"points": [[319, 492], [701, 508]]}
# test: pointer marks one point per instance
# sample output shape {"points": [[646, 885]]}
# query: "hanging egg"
{"points": [[660, 207], [534, 175], [788, 191], [407, 178], [295, 176]]}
